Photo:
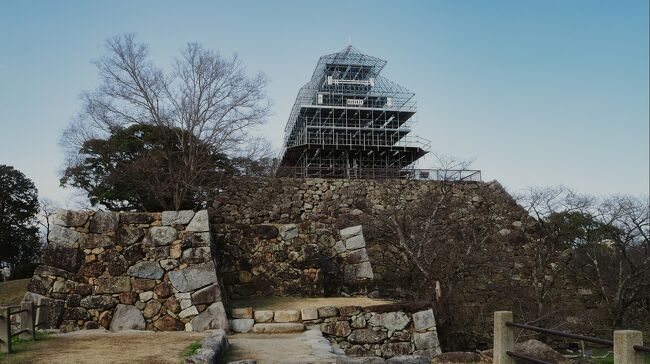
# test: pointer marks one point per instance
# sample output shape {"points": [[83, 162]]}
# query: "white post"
{"points": [[27, 320], [43, 313], [504, 338], [624, 341]]}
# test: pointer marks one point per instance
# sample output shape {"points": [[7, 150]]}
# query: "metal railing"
{"points": [[627, 344], [32, 316], [455, 175]]}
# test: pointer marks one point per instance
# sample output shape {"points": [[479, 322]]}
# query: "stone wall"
{"points": [[387, 331], [323, 210], [308, 259], [152, 271]]}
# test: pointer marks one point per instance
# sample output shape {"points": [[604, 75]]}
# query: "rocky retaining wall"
{"points": [[387, 331], [152, 271], [308, 259]]}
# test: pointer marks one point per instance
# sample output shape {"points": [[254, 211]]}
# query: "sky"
{"points": [[536, 93]]}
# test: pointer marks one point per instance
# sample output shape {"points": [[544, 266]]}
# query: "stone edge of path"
{"points": [[212, 348]]}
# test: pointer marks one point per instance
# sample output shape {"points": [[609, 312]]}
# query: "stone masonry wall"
{"points": [[387, 330], [152, 271], [308, 259], [322, 210]]}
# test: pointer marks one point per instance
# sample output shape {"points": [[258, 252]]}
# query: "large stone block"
{"points": [[207, 295], [336, 328], [92, 241], [366, 336], [129, 235], [170, 218], [288, 231], [127, 317], [146, 269], [242, 313], [193, 277], [63, 235], [143, 284], [357, 256], [151, 309], [75, 313], [196, 255], [40, 285], [364, 271], [195, 240], [200, 222], [350, 231], [286, 316], [393, 321], [164, 290], [389, 350], [424, 320], [349, 310], [112, 285], [188, 312], [133, 254], [355, 242], [214, 317], [98, 302], [278, 328], [63, 257], [70, 218], [104, 222], [263, 316], [168, 323], [46, 270], [426, 340], [241, 325], [135, 218], [308, 313], [162, 235], [329, 311]]}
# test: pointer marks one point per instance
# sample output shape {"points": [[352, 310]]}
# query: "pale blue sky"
{"points": [[537, 92]]}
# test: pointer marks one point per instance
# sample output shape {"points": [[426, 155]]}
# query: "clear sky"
{"points": [[537, 92]]}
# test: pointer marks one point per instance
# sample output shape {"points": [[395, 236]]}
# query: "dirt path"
{"points": [[285, 303], [307, 347], [95, 346]]}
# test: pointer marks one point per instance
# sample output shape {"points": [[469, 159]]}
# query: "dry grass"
{"points": [[12, 292]]}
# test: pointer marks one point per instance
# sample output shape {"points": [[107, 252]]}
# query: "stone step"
{"points": [[278, 328]]}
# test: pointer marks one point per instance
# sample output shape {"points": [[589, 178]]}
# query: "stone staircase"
{"points": [[386, 330], [267, 321]]}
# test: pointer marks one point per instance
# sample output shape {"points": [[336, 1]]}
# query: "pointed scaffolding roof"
{"points": [[349, 56]]}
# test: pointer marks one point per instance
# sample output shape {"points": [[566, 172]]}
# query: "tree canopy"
{"points": [[193, 115], [19, 240], [134, 168]]}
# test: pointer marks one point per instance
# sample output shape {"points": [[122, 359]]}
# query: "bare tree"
{"points": [[47, 209], [550, 252], [208, 100], [614, 254], [435, 239]]}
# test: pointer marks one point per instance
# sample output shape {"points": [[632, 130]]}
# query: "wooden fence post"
{"points": [[43, 313], [27, 320], [624, 341], [5, 330], [504, 338]]}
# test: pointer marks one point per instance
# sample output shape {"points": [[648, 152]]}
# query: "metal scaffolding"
{"points": [[350, 122]]}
